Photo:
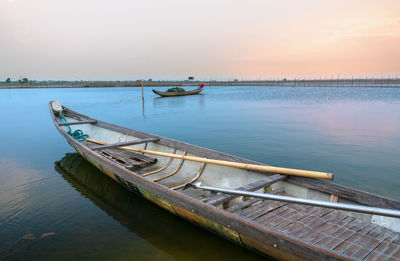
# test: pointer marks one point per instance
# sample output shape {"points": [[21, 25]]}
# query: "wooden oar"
{"points": [[285, 171]]}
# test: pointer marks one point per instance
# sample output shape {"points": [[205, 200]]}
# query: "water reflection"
{"points": [[159, 228]]}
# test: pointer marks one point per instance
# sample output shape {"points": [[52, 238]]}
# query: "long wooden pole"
{"points": [[285, 171], [142, 91]]}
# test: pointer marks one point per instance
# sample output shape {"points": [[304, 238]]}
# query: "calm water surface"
{"points": [[54, 205]]}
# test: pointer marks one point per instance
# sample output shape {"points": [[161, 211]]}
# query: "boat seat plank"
{"points": [[125, 143], [223, 198], [78, 122]]}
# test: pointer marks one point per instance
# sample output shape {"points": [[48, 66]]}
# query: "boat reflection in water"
{"points": [[158, 227]]}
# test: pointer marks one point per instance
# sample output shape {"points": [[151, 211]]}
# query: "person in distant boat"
{"points": [[179, 90], [176, 89]]}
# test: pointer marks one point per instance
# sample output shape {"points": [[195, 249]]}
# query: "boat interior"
{"points": [[358, 235]]}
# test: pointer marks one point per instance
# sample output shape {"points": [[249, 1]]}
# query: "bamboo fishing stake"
{"points": [[278, 170], [142, 91]]}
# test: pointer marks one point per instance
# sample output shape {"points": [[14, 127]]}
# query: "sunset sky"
{"points": [[164, 39]]}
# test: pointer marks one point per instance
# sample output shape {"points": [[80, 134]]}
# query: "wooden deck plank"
{"points": [[254, 209], [290, 221], [121, 160], [342, 247], [374, 243], [316, 226], [334, 236], [392, 248], [297, 221], [314, 215], [244, 204], [273, 219], [325, 230], [396, 254], [127, 159], [347, 234], [382, 247], [364, 241], [328, 230], [78, 122], [265, 182], [261, 209], [325, 222], [125, 143], [312, 223], [276, 213]]}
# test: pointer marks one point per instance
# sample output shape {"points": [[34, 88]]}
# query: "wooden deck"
{"points": [[323, 227]]}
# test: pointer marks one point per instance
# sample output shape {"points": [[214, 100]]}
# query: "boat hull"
{"points": [[173, 94]]}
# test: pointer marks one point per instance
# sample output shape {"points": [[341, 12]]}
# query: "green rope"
{"points": [[77, 134]]}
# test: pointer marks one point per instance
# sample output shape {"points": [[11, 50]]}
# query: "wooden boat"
{"points": [[178, 93], [273, 227], [128, 209]]}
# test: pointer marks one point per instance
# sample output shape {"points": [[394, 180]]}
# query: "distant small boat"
{"points": [[177, 91]]}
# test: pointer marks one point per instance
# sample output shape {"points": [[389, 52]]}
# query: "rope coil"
{"points": [[77, 134]]}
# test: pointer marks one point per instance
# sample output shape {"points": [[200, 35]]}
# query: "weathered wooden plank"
{"points": [[364, 241], [324, 225], [261, 209], [265, 182], [347, 234], [273, 217], [134, 155], [309, 222], [78, 122], [354, 239], [334, 237], [365, 250], [125, 143], [382, 247], [121, 160], [243, 205], [396, 254], [328, 230], [313, 227], [389, 252]]}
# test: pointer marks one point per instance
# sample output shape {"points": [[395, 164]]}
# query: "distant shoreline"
{"points": [[373, 83]]}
